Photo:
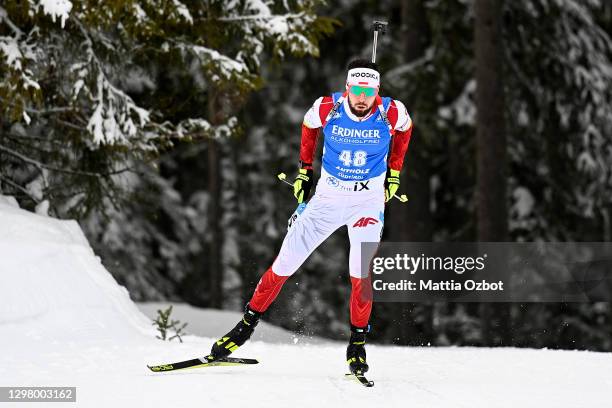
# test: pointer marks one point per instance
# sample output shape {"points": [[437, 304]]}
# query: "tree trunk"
{"points": [[491, 149], [490, 132], [413, 221], [215, 270]]}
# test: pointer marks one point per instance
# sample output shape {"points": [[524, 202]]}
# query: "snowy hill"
{"points": [[64, 321]]}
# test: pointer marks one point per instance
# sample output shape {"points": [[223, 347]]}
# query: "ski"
{"points": [[362, 379], [207, 361]]}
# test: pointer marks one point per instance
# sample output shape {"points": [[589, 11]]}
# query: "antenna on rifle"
{"points": [[377, 27]]}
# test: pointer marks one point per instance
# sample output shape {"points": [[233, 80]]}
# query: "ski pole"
{"points": [[403, 198], [301, 206], [377, 26], [283, 177]]}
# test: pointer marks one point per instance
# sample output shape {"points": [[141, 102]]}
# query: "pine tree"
{"points": [[99, 100], [80, 95]]}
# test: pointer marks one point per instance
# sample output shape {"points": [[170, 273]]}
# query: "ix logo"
{"points": [[361, 185]]}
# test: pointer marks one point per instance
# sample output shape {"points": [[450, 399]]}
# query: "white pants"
{"points": [[363, 214]]}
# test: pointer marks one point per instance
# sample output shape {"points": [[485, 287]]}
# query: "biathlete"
{"points": [[365, 139]]}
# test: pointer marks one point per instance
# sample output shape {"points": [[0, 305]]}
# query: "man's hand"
{"points": [[303, 184], [392, 183]]}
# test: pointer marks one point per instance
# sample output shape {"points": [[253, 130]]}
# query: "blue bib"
{"points": [[356, 150]]}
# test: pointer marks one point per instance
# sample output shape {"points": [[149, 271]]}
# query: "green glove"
{"points": [[392, 183], [303, 184]]}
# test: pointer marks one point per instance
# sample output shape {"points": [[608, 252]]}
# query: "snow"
{"points": [[57, 9], [26, 117], [183, 11], [524, 202], [8, 201], [463, 108], [112, 121], [259, 7], [226, 65], [139, 13], [65, 321], [278, 26], [10, 48]]}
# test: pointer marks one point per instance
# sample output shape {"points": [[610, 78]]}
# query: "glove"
{"points": [[392, 183], [302, 184]]}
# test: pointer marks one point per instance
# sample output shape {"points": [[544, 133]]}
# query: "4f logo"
{"points": [[361, 185], [365, 221]]}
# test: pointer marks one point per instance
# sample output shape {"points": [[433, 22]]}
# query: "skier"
{"points": [[365, 140]]}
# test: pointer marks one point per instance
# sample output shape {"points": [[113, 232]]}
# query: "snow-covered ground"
{"points": [[64, 321]]}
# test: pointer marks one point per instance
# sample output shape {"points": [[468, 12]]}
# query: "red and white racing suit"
{"points": [[337, 203]]}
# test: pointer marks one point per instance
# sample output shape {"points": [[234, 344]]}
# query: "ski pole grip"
{"points": [[283, 177]]}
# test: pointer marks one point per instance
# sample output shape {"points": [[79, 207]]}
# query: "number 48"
{"points": [[357, 158]]}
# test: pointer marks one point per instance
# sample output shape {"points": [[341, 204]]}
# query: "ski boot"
{"points": [[355, 352], [237, 336]]}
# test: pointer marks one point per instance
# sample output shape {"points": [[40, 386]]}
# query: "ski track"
{"points": [[116, 375]]}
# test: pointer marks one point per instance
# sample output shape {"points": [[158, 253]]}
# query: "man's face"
{"points": [[361, 99]]}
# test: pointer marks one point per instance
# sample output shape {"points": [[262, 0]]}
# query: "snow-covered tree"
{"points": [[557, 67], [560, 64], [73, 73], [92, 93]]}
